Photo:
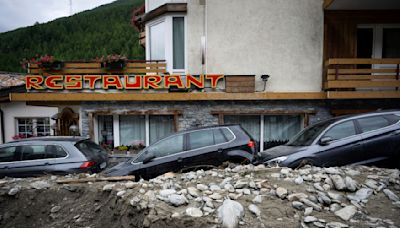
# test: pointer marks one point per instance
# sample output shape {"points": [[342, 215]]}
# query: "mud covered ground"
{"points": [[267, 197]]}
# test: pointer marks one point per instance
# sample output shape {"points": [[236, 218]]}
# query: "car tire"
{"points": [[301, 163]]}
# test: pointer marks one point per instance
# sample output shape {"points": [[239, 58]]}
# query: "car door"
{"points": [[56, 160], [168, 156], [378, 138], [344, 148], [9, 156], [204, 147], [33, 161]]}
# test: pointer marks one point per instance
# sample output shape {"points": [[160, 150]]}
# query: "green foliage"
{"points": [[84, 36]]}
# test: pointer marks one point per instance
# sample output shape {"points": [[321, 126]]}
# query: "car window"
{"points": [[201, 138], [8, 154], [372, 123], [33, 152], [228, 134], [219, 137], [168, 146], [309, 134], [89, 148], [392, 118], [341, 130], [54, 151]]}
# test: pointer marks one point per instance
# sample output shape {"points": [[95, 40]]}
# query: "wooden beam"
{"points": [[358, 84], [101, 71], [343, 61], [360, 77], [263, 112], [36, 96], [327, 3], [361, 71], [362, 94]]}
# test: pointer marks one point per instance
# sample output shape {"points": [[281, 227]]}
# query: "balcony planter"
{"points": [[116, 65], [56, 65]]}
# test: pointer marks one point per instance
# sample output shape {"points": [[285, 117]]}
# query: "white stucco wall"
{"points": [[14, 110], [282, 38]]}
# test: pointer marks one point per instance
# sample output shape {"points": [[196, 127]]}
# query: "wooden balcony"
{"points": [[352, 78], [132, 67]]}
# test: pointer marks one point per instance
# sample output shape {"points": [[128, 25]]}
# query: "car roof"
{"points": [[207, 127], [52, 138], [360, 115]]}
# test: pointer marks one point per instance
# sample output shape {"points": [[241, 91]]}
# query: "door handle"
{"points": [[4, 167], [180, 159], [219, 150], [46, 163]]}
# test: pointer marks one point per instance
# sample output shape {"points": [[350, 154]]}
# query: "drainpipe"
{"points": [[3, 138]]}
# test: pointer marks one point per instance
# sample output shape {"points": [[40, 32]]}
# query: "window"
{"points": [[219, 137], [54, 151], [167, 146], [378, 41], [106, 131], [132, 130], [8, 154], [201, 138], [178, 42], [28, 127], [228, 134], [309, 134], [279, 129], [35, 152], [372, 123], [89, 148], [160, 126], [250, 123], [341, 130], [157, 41]]}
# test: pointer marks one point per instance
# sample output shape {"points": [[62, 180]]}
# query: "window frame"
{"points": [[34, 125], [37, 144]]}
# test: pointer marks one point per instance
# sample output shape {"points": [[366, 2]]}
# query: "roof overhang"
{"points": [[361, 4], [164, 9]]}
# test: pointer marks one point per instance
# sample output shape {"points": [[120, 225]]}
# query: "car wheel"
{"points": [[302, 163]]}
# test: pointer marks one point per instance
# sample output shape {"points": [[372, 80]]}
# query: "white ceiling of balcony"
{"points": [[364, 5]]}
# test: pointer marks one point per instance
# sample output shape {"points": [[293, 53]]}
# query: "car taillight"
{"points": [[87, 164], [251, 144]]}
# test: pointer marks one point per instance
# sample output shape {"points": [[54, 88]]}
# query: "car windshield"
{"points": [[89, 148], [308, 135]]}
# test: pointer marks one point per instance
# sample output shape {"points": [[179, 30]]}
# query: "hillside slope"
{"points": [[83, 36]]}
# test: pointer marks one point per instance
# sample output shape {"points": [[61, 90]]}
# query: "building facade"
{"points": [[286, 64]]}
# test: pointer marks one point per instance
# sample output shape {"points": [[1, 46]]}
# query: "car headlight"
{"points": [[275, 161]]}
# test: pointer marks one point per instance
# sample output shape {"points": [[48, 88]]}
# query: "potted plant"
{"points": [[47, 62], [113, 62]]}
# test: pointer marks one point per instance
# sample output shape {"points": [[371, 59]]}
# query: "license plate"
{"points": [[103, 165]]}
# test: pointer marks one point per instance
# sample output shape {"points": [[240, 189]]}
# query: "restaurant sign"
{"points": [[120, 82]]}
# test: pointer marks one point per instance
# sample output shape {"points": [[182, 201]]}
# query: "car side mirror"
{"points": [[324, 141], [148, 157]]}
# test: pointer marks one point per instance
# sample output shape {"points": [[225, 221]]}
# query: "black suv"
{"points": [[364, 139], [202, 147]]}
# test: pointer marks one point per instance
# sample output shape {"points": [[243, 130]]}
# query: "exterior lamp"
{"points": [[74, 129], [264, 78]]}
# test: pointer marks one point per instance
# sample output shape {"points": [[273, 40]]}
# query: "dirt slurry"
{"points": [[236, 196]]}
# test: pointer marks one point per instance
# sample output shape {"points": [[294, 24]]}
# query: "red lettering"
{"points": [[214, 79], [111, 80], [73, 82], [51, 83], [92, 80], [33, 82], [152, 81], [177, 81], [135, 85], [191, 80]]}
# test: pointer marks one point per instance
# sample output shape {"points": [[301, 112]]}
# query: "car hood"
{"points": [[280, 151]]}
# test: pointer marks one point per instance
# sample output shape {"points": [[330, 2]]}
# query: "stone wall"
{"points": [[198, 113]]}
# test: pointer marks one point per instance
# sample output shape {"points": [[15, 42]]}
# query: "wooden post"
{"points": [[91, 126]]}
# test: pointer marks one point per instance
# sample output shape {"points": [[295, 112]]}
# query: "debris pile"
{"points": [[239, 195]]}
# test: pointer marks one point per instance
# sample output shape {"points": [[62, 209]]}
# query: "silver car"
{"points": [[51, 155]]}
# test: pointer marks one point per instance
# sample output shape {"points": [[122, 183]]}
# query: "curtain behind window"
{"points": [[132, 130], [178, 43], [250, 123], [160, 126], [279, 129]]}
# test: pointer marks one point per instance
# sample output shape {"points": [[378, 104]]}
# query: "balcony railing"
{"points": [[362, 78], [132, 67]]}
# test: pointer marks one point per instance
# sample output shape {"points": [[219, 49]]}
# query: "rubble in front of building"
{"points": [[239, 195]]}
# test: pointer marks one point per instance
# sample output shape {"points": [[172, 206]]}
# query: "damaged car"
{"points": [[185, 150], [363, 139]]}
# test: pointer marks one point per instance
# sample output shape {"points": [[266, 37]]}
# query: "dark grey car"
{"points": [[367, 139], [202, 147], [52, 155]]}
